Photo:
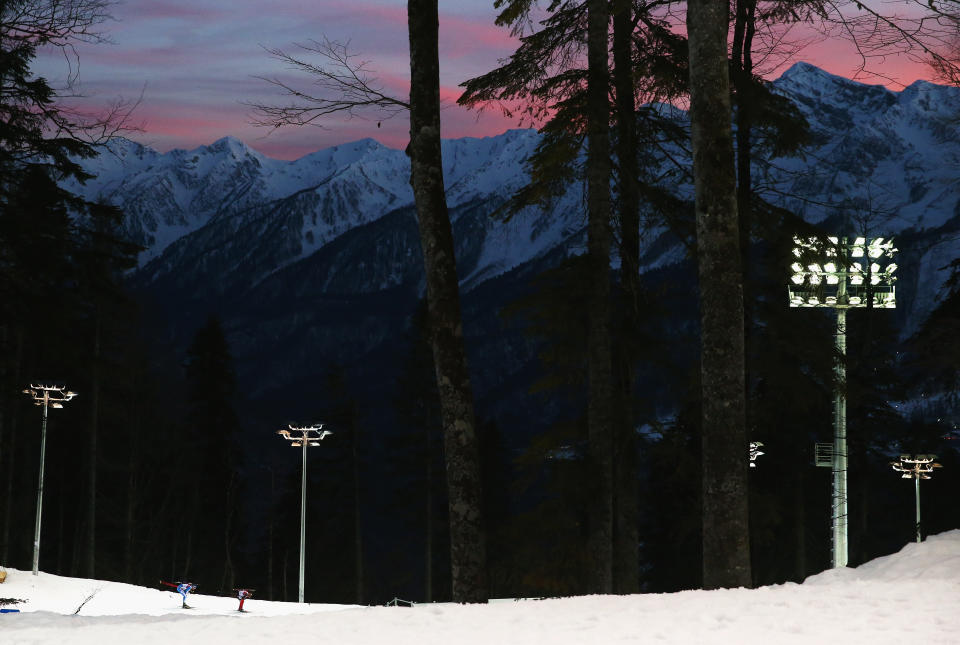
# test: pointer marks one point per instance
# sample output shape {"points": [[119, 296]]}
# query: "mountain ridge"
{"points": [[223, 223]]}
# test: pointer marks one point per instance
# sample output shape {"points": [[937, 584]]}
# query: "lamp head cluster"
{"points": [[53, 395], [837, 273], [916, 466], [755, 452], [304, 435]]}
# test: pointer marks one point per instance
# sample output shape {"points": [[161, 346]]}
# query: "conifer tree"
{"points": [[210, 468]]}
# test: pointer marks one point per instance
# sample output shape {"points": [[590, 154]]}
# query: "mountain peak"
{"points": [[809, 74], [229, 144], [803, 68]]}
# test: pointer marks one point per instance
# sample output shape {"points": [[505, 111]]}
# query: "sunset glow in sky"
{"points": [[195, 61]]}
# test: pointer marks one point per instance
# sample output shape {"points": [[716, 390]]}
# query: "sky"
{"points": [[196, 62], [907, 597]]}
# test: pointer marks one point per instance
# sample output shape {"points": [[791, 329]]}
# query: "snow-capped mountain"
{"points": [[886, 161], [323, 251], [227, 207]]}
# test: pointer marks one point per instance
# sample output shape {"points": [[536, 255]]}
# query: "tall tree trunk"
{"points": [[428, 566], [286, 559], [800, 525], [188, 559], [742, 76], [744, 29], [726, 540], [600, 403], [270, 522], [357, 524], [6, 391], [129, 524], [91, 541], [12, 425], [626, 569], [133, 487], [227, 580], [60, 568], [467, 543]]}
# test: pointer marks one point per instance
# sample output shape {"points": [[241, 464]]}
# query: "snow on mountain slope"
{"points": [[166, 197], [886, 162], [314, 200], [907, 597], [881, 163]]}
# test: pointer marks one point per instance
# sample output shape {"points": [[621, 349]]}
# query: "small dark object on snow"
{"points": [[10, 601]]}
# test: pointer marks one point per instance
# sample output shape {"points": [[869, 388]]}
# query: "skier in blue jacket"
{"points": [[183, 587]]}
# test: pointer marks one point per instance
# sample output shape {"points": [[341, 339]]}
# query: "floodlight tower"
{"points": [[304, 437], [916, 467], [49, 396], [834, 273]]}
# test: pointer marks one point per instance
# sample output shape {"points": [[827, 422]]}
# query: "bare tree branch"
{"points": [[342, 84], [29, 25]]}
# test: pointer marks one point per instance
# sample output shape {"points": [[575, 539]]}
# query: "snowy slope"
{"points": [[908, 597]]}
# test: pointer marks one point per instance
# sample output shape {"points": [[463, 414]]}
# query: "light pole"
{"points": [[916, 467], [837, 274], [49, 396], [304, 437]]}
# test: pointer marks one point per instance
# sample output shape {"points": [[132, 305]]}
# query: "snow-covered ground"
{"points": [[909, 597]]}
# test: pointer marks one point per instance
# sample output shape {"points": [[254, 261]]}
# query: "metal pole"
{"points": [[303, 515], [43, 453], [916, 488], [840, 442]]}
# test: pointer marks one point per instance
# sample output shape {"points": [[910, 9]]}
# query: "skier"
{"points": [[243, 594], [184, 588]]}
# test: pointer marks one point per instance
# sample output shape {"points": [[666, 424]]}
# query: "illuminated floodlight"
{"points": [[836, 279]]}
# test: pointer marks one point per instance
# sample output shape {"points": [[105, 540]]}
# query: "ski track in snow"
{"points": [[909, 597]]}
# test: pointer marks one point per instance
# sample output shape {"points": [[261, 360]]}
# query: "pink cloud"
{"points": [[160, 9], [461, 38]]}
